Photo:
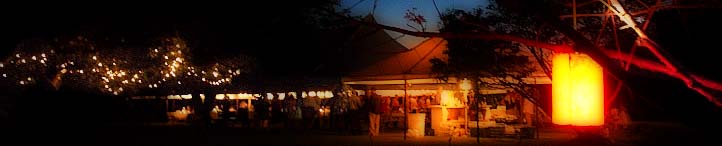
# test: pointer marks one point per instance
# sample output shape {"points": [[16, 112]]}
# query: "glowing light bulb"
{"points": [[5, 75], [95, 58], [203, 79], [30, 79], [34, 58], [100, 64], [42, 55]]}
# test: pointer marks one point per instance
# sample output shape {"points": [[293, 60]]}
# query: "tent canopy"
{"points": [[376, 58], [410, 64]]}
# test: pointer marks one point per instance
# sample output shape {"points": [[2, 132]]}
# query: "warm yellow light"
{"points": [[465, 84], [577, 90]]}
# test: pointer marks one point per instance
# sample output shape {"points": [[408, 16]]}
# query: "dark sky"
{"points": [[276, 33]]}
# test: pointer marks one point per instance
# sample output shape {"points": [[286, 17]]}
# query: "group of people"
{"points": [[307, 113], [415, 104], [379, 105]]}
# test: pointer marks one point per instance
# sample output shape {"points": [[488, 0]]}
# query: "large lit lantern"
{"points": [[577, 90]]}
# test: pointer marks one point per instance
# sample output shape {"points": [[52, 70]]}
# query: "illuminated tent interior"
{"points": [[384, 68]]}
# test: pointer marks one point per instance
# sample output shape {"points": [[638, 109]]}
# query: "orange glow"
{"points": [[577, 90]]}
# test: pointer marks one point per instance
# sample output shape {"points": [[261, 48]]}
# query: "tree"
{"points": [[547, 13], [84, 64], [489, 64]]}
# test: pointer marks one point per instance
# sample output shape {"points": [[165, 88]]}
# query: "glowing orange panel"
{"points": [[577, 90]]}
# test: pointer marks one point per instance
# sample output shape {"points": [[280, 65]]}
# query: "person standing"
{"points": [[375, 113]]}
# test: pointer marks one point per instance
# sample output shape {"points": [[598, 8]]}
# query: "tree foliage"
{"points": [[108, 67], [495, 64]]}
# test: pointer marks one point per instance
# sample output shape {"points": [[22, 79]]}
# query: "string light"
{"points": [[116, 79]]}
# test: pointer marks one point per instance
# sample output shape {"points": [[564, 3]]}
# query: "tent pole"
{"points": [[406, 112]]}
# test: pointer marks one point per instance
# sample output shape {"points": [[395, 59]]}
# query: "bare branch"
{"points": [[581, 4], [601, 55], [660, 68], [640, 12], [482, 36]]}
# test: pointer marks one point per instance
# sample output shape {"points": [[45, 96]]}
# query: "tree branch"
{"points": [[482, 36], [660, 68], [640, 12], [602, 56]]}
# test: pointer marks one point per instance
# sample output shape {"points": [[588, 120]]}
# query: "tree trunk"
{"points": [[201, 113]]}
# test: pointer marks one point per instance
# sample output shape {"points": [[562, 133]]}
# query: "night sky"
{"points": [[276, 34]]}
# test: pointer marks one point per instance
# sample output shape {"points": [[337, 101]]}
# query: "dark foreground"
{"points": [[126, 135]]}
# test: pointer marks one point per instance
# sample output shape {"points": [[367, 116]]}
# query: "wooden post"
{"points": [[476, 88], [406, 112]]}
